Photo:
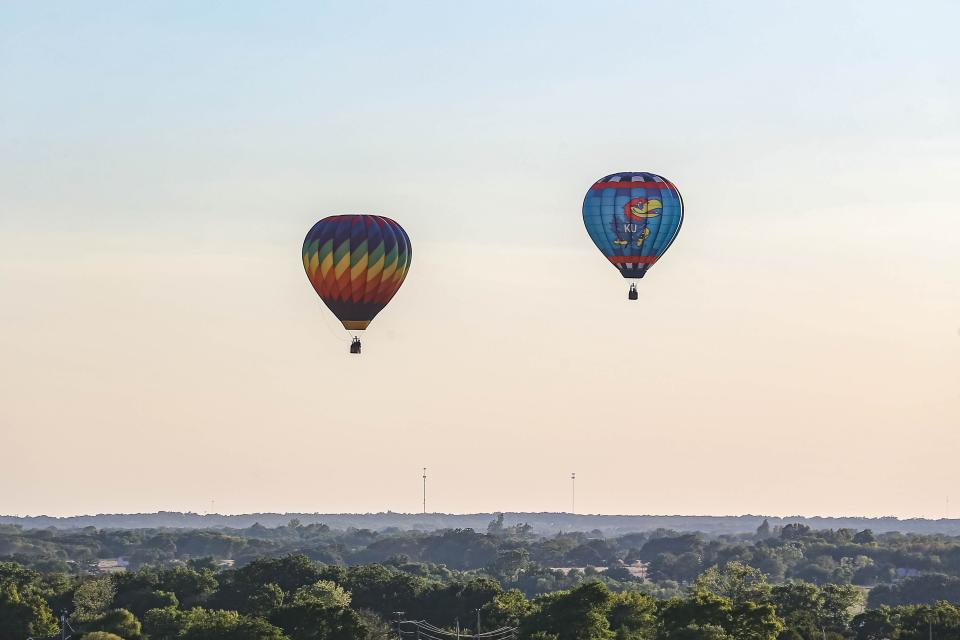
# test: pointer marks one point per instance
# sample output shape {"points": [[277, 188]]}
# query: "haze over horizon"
{"points": [[784, 516], [796, 351]]}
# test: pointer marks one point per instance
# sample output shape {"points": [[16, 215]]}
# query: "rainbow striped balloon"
{"points": [[356, 264]]}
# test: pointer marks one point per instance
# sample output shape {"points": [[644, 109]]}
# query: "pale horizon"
{"points": [[797, 351]]}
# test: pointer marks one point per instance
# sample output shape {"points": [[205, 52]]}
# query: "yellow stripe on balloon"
{"points": [[389, 270], [342, 265], [402, 268], [375, 268], [326, 264], [359, 268]]}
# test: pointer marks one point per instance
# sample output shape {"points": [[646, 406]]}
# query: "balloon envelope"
{"points": [[633, 218], [356, 263]]}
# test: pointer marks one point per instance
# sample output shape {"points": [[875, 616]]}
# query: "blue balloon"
{"points": [[633, 218]]}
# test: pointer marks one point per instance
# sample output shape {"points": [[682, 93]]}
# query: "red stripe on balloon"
{"points": [[632, 185]]}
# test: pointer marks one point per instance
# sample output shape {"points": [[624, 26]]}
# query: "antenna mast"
{"points": [[573, 493], [424, 489]]}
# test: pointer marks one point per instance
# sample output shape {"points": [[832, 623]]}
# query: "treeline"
{"points": [[909, 568], [546, 523], [294, 598]]}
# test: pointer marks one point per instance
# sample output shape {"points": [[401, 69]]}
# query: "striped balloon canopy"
{"points": [[633, 218], [356, 263]]}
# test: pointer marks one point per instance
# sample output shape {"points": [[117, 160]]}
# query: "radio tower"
{"points": [[424, 489], [573, 493]]}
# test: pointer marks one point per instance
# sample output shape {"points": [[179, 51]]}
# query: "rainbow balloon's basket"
{"points": [[632, 294]]}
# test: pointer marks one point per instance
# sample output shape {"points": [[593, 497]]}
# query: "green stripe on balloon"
{"points": [[357, 254]]}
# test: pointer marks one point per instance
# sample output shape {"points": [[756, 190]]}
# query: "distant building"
{"points": [[906, 572], [638, 569], [567, 570], [112, 565]]}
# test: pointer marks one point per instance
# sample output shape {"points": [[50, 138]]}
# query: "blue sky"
{"points": [[149, 114], [161, 161]]}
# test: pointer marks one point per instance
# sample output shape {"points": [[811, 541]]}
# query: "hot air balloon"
{"points": [[356, 263], [633, 218]]}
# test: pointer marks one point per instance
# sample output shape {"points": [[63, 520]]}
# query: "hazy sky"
{"points": [[796, 352]]}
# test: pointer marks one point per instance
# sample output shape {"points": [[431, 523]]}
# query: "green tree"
{"points": [[839, 603], [92, 598], [203, 624], [737, 582], [752, 621], [24, 613], [507, 609], [701, 632], [795, 531], [704, 613], [680, 617], [384, 590], [876, 624], [139, 591], [289, 573], [58, 589], [509, 563], [118, 622], [578, 614], [864, 537], [683, 568], [310, 620], [925, 589], [191, 587], [377, 627], [942, 620], [763, 531], [800, 605], [632, 616], [264, 600], [320, 611], [458, 600], [322, 593], [164, 624]]}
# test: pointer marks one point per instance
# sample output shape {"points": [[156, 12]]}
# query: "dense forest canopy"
{"points": [[541, 522], [305, 581]]}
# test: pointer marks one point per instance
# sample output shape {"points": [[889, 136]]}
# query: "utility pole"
{"points": [[424, 489], [399, 615], [64, 625], [478, 624], [458, 628], [573, 493]]}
